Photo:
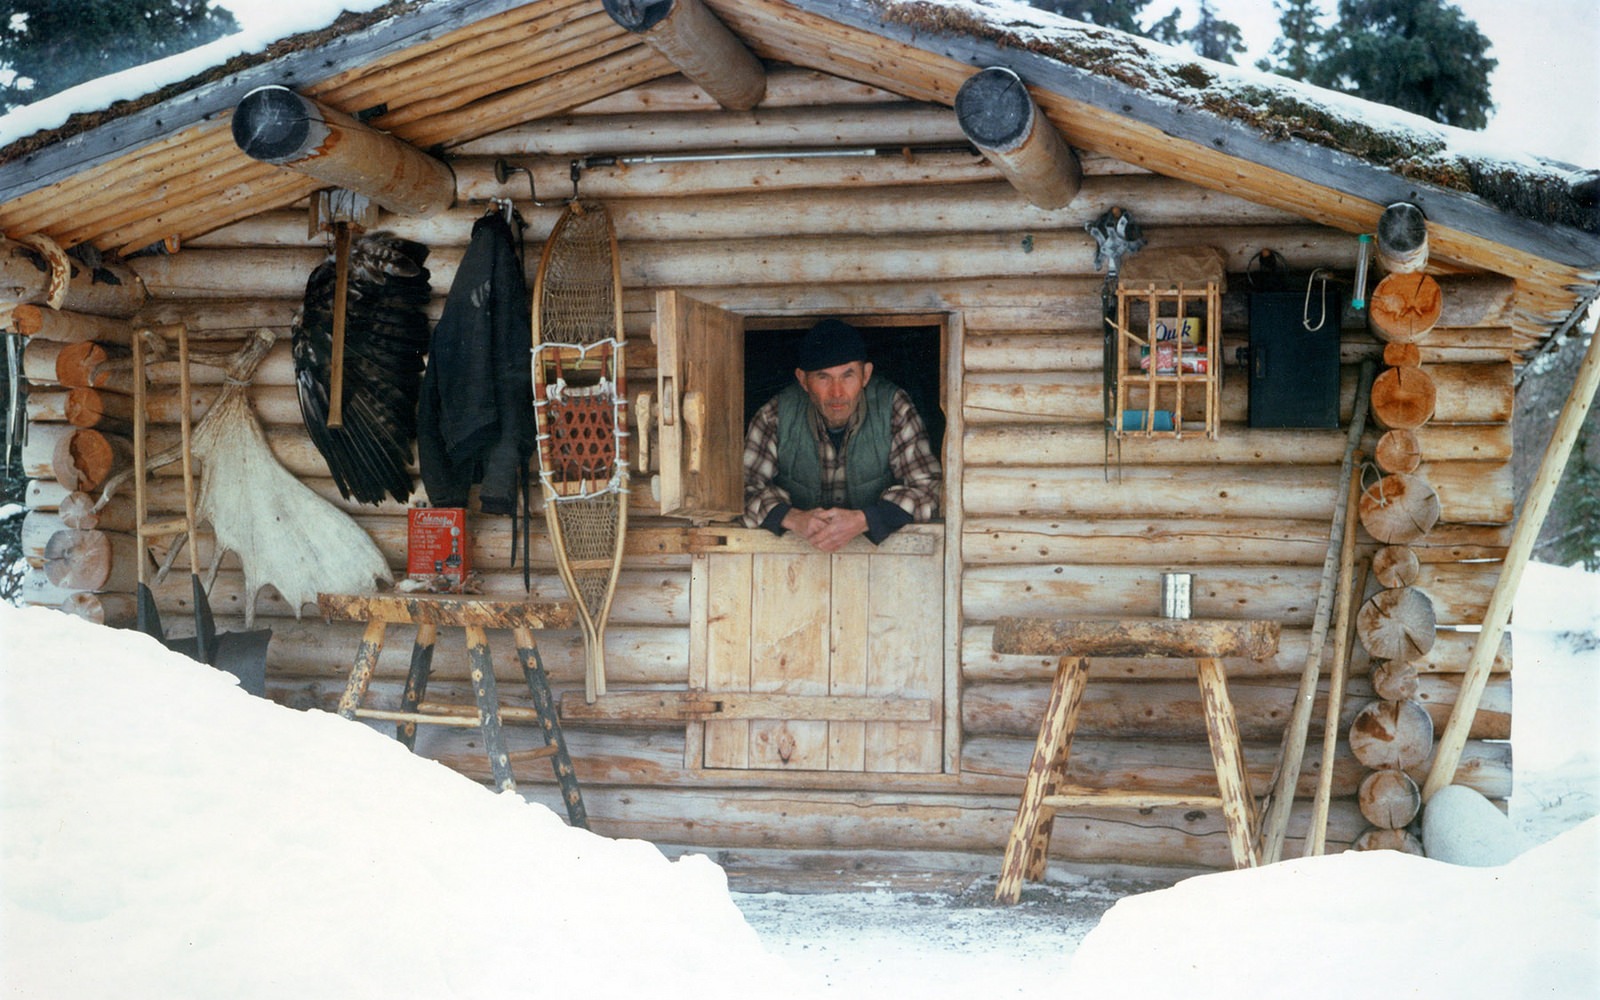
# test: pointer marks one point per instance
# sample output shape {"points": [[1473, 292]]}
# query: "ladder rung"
{"points": [[1074, 798], [508, 713], [384, 715], [155, 529], [521, 756]]}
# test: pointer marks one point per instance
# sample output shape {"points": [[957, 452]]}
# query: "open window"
{"points": [[717, 367], [807, 661], [907, 351]]}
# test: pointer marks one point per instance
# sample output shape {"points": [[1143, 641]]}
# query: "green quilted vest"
{"points": [[866, 449]]}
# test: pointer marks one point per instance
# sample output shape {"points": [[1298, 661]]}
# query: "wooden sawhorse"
{"points": [[474, 615], [1045, 790]]}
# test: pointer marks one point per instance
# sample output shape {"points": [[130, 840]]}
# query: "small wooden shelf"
{"points": [[1167, 384]]}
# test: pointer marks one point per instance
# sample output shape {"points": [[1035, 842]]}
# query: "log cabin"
{"points": [[935, 173]]}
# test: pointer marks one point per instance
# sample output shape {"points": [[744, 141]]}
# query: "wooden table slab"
{"points": [[1154, 637], [447, 609]]}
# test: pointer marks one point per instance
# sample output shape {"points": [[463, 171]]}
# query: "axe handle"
{"points": [[341, 287]]}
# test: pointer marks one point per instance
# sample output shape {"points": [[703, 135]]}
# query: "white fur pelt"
{"points": [[284, 533]]}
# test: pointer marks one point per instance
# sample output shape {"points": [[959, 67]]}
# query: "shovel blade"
{"points": [[205, 628], [147, 618], [244, 655]]}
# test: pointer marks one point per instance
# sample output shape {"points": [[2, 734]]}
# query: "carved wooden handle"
{"points": [[643, 415], [694, 427]]}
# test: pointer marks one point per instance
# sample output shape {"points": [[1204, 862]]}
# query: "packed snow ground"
{"points": [[163, 834]]}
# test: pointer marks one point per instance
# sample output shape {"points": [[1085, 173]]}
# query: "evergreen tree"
{"points": [[47, 46], [1300, 40], [1211, 36], [1579, 498], [1214, 38], [1122, 15], [13, 486], [1167, 30], [1422, 56]]}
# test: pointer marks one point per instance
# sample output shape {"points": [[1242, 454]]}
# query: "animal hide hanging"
{"points": [[386, 341]]}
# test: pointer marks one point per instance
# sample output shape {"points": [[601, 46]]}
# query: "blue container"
{"points": [[1133, 420]]}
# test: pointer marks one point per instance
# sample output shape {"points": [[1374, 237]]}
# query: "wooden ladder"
{"points": [[144, 528], [475, 616], [1045, 790]]}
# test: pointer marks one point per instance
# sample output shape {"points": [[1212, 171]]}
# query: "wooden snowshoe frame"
{"points": [[580, 411]]}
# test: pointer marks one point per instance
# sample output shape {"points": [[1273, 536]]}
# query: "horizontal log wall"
{"points": [[1054, 522]]}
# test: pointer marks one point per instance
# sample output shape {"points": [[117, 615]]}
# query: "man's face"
{"points": [[836, 391]]}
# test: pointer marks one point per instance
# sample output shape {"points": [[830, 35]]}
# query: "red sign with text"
{"points": [[436, 545]]}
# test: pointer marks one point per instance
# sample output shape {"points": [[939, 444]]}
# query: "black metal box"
{"points": [[1294, 355]]}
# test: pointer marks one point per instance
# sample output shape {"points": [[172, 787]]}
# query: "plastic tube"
{"points": [[1358, 299]]}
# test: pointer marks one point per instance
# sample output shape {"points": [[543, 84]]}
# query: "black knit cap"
{"points": [[830, 343]]}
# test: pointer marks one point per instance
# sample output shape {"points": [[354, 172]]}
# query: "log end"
{"points": [[638, 16], [1405, 307], [1392, 735], [994, 109], [1379, 839], [272, 124]]}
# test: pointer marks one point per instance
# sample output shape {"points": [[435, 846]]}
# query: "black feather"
{"points": [[385, 343]]}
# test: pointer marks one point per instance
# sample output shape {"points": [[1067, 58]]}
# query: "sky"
{"points": [[169, 835], [1546, 87]]}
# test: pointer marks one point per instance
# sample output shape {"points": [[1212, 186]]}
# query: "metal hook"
{"points": [[503, 169], [1305, 307]]}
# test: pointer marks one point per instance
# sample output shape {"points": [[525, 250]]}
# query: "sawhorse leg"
{"points": [[1227, 756], [481, 670], [361, 673], [1028, 847], [417, 682], [544, 704]]}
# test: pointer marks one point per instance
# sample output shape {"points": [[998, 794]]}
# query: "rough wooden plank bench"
{"points": [[474, 615], [1045, 789]]}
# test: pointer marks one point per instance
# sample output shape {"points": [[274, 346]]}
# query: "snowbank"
{"points": [[166, 835], [1378, 921]]}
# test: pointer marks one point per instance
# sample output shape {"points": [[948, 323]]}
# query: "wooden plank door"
{"points": [[700, 396], [826, 662]]}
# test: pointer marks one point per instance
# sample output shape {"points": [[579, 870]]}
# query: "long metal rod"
{"points": [[629, 159]]}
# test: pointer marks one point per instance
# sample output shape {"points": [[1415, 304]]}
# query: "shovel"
{"points": [[242, 654]]}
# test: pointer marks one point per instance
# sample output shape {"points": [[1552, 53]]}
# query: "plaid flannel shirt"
{"points": [[911, 461]]}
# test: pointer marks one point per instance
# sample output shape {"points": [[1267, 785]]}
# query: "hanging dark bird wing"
{"points": [[386, 340]]}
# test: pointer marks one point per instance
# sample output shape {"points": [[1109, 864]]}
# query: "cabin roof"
{"points": [[442, 73]]}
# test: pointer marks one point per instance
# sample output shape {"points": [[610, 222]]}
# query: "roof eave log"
{"points": [[1001, 119], [278, 126], [690, 36]]}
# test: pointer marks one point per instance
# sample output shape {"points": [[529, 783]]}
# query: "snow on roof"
{"points": [[301, 24], [1277, 107], [1409, 145]]}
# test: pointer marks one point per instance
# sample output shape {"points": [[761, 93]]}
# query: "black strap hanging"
{"points": [[1116, 235]]}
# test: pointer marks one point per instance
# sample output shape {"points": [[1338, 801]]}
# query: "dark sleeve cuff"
{"points": [[773, 522], [884, 519]]}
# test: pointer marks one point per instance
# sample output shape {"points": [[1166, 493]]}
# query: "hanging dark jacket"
{"points": [[475, 418]]}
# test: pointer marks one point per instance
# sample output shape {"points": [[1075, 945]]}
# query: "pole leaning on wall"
{"points": [[1447, 757]]}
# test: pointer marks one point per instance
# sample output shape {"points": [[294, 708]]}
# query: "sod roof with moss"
{"points": [[1278, 108]]}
